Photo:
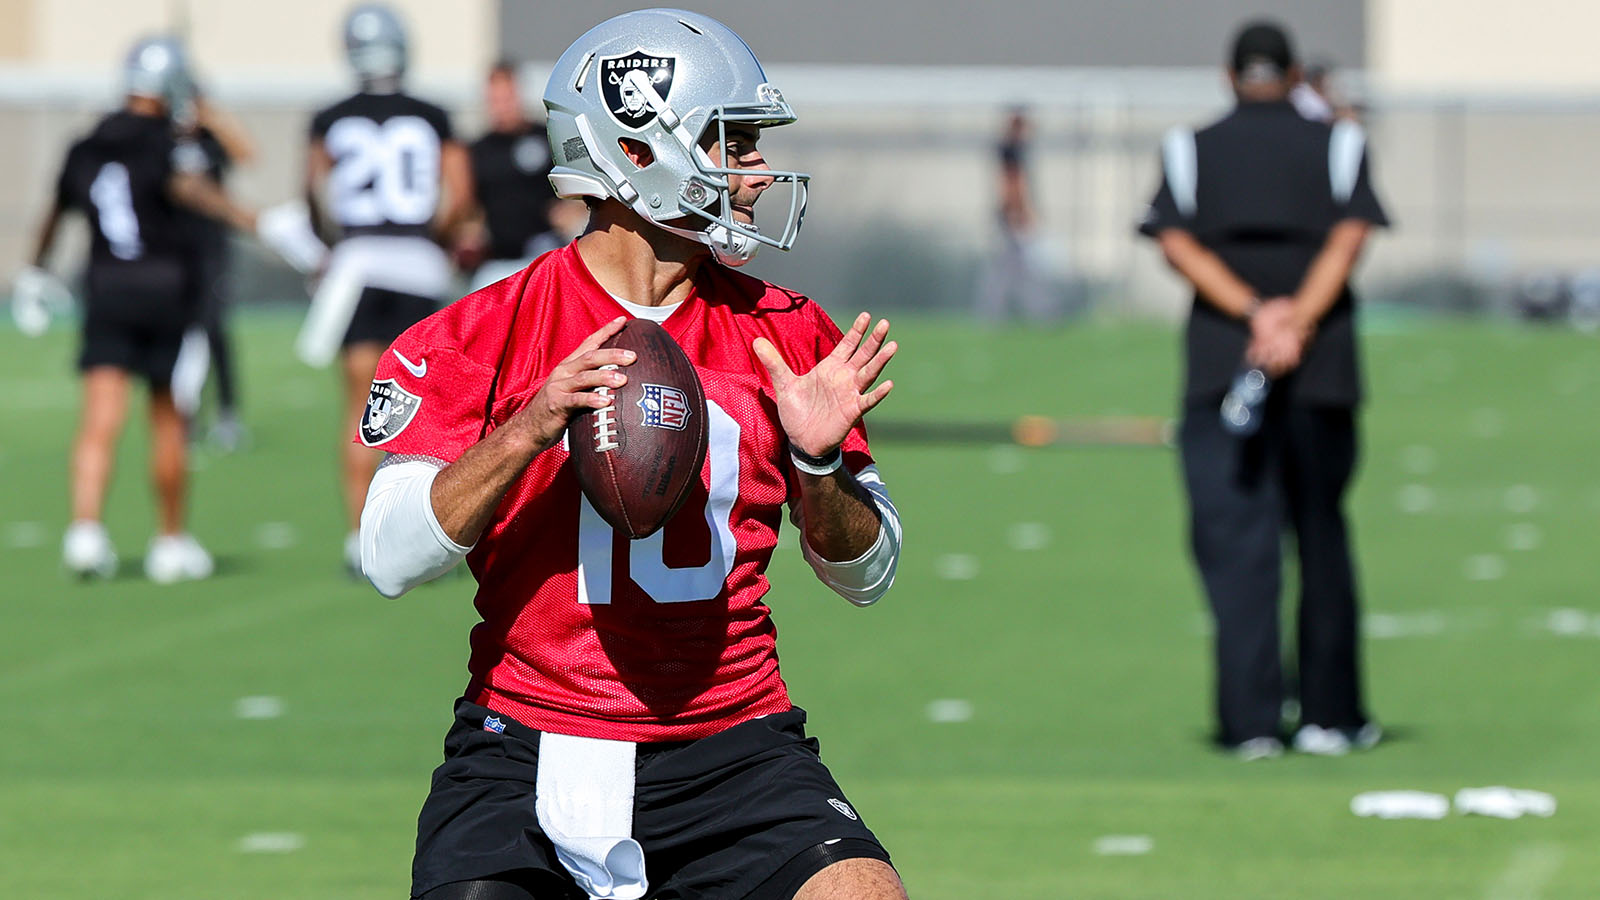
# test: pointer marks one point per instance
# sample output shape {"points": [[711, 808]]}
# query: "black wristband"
{"points": [[816, 465]]}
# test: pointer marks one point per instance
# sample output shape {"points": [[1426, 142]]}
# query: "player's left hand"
{"points": [[819, 408]]}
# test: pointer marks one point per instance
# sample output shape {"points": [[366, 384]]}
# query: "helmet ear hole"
{"points": [[637, 152]]}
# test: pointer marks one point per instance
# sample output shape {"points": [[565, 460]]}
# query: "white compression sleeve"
{"points": [[865, 579], [402, 542]]}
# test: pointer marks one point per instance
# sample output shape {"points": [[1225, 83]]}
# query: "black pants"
{"points": [[1243, 496], [211, 272]]}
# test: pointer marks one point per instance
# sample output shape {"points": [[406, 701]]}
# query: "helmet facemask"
{"points": [[707, 195]]}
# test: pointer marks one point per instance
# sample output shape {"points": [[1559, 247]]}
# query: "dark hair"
{"points": [[503, 68], [1262, 43]]}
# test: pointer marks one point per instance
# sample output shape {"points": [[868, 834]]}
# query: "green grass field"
{"points": [[1048, 589]]}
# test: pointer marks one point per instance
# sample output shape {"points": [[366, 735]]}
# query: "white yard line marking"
{"points": [[1484, 567], [276, 536], [1029, 536], [1379, 626], [1005, 461], [949, 710], [1419, 459], [957, 567], [1523, 536], [1416, 498], [1521, 498], [1124, 845], [263, 707], [1529, 872], [1487, 423], [271, 842], [24, 535], [1571, 623]]}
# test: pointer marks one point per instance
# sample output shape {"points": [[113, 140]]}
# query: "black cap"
{"points": [[1262, 52]]}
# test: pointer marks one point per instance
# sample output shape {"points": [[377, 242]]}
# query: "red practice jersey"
{"points": [[585, 632]]}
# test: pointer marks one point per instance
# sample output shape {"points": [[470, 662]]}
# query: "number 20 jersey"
{"points": [[386, 150], [585, 632]]}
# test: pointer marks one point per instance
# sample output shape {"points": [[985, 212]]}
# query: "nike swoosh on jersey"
{"points": [[417, 369]]}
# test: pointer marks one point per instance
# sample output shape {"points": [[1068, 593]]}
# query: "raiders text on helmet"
{"points": [[375, 42], [663, 77]]}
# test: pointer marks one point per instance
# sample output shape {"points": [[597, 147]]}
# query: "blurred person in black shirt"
{"points": [[225, 144], [135, 181], [1265, 213], [518, 216]]}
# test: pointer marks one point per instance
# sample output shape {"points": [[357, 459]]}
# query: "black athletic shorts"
{"points": [[137, 334], [749, 812], [381, 315]]}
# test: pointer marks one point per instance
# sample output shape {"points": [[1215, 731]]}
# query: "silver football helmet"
{"points": [[663, 77], [375, 42], [158, 67]]}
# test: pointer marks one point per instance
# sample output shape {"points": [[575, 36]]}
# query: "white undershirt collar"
{"points": [[657, 314]]}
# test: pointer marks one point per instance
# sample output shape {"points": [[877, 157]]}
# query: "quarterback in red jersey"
{"points": [[626, 732]]}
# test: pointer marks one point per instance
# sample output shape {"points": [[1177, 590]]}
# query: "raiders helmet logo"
{"points": [[390, 408], [629, 83]]}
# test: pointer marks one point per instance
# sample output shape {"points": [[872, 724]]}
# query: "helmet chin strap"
{"points": [[728, 247]]}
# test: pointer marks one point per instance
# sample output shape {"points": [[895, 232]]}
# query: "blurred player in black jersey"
{"points": [[131, 177], [385, 172], [518, 216], [225, 144]]}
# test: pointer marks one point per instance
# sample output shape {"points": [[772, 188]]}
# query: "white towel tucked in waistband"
{"points": [[584, 801], [412, 265]]}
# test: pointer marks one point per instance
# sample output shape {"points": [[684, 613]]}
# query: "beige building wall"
{"points": [[1493, 45], [232, 39]]}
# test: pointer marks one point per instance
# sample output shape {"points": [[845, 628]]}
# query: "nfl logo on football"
{"points": [[665, 407]]}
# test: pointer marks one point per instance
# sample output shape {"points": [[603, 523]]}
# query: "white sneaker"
{"points": [[352, 554], [227, 433], [1367, 736], [86, 550], [1258, 749], [1319, 741], [176, 557]]}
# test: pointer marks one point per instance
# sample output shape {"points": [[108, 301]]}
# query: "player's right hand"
{"points": [[30, 307], [570, 387], [286, 230]]}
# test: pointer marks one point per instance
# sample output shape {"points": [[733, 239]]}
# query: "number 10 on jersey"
{"points": [[647, 565]]}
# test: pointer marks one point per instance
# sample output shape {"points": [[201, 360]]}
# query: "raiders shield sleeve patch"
{"points": [[390, 408]]}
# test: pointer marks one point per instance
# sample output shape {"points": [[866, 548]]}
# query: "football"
{"points": [[637, 459]]}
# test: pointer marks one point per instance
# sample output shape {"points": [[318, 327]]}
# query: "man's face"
{"points": [[740, 153], [502, 102]]}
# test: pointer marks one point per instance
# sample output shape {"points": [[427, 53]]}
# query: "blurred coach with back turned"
{"points": [[1265, 213]]}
